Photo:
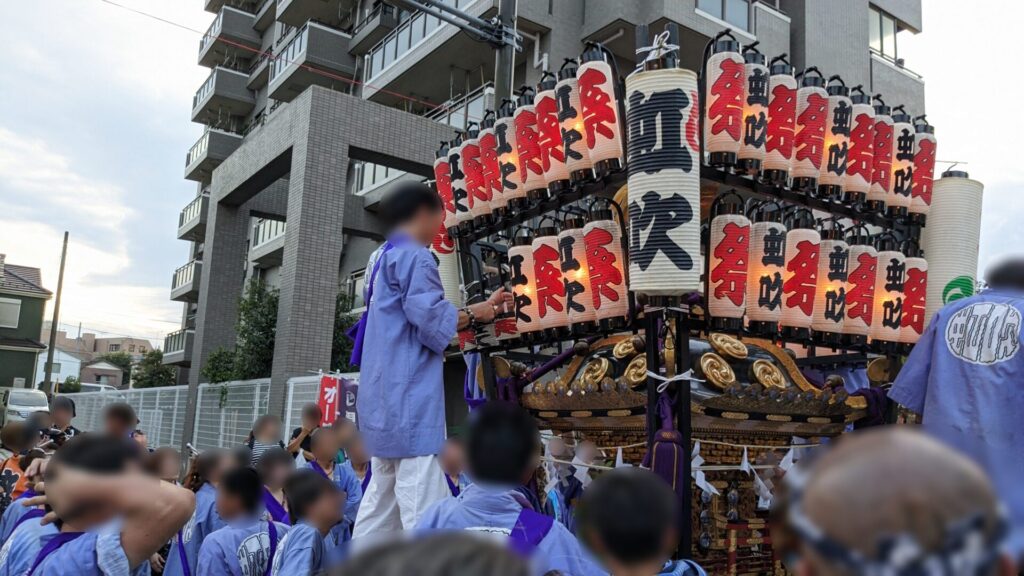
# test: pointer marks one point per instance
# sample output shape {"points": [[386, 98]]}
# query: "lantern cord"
{"points": [[660, 48], [780, 58]]}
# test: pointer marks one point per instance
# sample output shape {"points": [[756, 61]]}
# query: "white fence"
{"points": [[224, 412]]}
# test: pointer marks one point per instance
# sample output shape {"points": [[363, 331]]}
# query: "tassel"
{"points": [[745, 463], [788, 460]]}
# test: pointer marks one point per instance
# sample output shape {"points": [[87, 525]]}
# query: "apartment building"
{"points": [[313, 106]]}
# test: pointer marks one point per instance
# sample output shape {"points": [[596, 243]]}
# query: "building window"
{"points": [[131, 347], [54, 367], [882, 29], [356, 287], [142, 349], [10, 311], [735, 12], [113, 347]]}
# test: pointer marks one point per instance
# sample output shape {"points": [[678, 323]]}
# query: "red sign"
{"points": [[598, 106], [602, 265], [924, 171], [914, 290], [528, 145], [328, 399], [549, 133]]}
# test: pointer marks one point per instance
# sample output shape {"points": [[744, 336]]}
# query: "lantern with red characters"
{"points": [[881, 171], [860, 160], [531, 163], [800, 279], [490, 165], [860, 286], [755, 110], [547, 276], [478, 194], [443, 183], [915, 291], [599, 103], [836, 148], [606, 268], [723, 97], [766, 269], [778, 144], [924, 170], [728, 259], [809, 141], [549, 133]]}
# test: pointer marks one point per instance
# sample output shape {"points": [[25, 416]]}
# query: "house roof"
{"points": [[101, 365], [26, 343], [23, 279]]}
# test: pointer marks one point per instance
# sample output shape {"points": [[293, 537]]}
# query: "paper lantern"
{"points": [[662, 117], [809, 140], [903, 142], [724, 87], [830, 296], [463, 217], [728, 257], [490, 164], [531, 165], [778, 144], [513, 194], [570, 117], [881, 172], [478, 194], [887, 314], [549, 132], [606, 266], [924, 169], [860, 161], [547, 277], [524, 287], [950, 239], [862, 270], [766, 272], [599, 103], [443, 183], [800, 284], [755, 111], [836, 147], [579, 300], [443, 248], [915, 291]]}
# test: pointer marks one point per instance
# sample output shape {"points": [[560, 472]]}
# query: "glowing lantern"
{"points": [[549, 132], [830, 298], [570, 116], [778, 145], [800, 284], [887, 315], [809, 141], [531, 165], [915, 291], [662, 116], [524, 287], [724, 87], [860, 161], [478, 194], [443, 248], [599, 103], [490, 165], [579, 301], [547, 277], [903, 142], [836, 148], [755, 110], [951, 239], [862, 271], [513, 194], [602, 237], [463, 218], [881, 172], [443, 182], [766, 270], [924, 169], [728, 258]]}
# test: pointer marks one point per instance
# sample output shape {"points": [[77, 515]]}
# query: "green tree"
{"points": [[341, 346], [256, 330], [122, 360], [70, 386], [220, 366], [151, 372]]}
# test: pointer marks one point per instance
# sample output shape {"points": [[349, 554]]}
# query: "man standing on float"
{"points": [[399, 346]]}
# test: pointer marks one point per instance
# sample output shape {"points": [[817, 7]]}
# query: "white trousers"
{"points": [[400, 490]]}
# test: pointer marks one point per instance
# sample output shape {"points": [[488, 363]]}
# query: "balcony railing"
{"points": [[459, 111], [185, 274], [212, 32], [377, 10], [205, 89], [176, 342], [198, 149], [267, 230], [291, 52], [404, 38], [192, 211]]}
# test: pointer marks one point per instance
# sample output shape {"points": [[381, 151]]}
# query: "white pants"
{"points": [[400, 490]]}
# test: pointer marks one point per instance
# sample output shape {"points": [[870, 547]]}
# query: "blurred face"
{"points": [[116, 427], [356, 451], [229, 506], [269, 432], [325, 446], [279, 474], [345, 433], [327, 510], [424, 227], [61, 418], [452, 458], [310, 420], [170, 466]]}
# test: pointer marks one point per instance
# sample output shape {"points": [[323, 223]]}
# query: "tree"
{"points": [[341, 346], [70, 386], [151, 372], [122, 360], [256, 330], [220, 366]]}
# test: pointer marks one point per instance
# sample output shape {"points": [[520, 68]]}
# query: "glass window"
{"points": [[389, 51], [377, 62], [10, 311], [888, 36], [476, 109], [875, 30], [417, 30], [113, 347], [737, 13], [30, 398], [458, 118], [403, 39], [713, 7], [54, 367]]}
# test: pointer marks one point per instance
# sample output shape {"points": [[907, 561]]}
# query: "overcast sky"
{"points": [[95, 125]]}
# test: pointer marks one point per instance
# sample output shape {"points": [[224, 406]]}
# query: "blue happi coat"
{"points": [[966, 378], [96, 553], [12, 515], [20, 550], [345, 479], [242, 548], [494, 511], [409, 325], [301, 551], [204, 521]]}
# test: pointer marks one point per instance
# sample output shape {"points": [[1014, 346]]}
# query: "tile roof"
{"points": [[23, 279]]}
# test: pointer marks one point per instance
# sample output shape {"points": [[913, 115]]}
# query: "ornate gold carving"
{"points": [[768, 374], [717, 371], [735, 415], [636, 372], [624, 349], [594, 371], [728, 346]]}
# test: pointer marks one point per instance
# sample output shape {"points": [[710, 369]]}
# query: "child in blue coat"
{"points": [[204, 473], [325, 446], [275, 467], [315, 505]]}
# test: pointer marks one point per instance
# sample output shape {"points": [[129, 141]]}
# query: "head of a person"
{"points": [[502, 445], [933, 507], [313, 499], [413, 208], [12, 436], [453, 456], [1007, 274], [62, 409], [28, 458], [164, 463], [324, 444], [274, 466], [355, 450], [99, 454], [239, 494], [208, 468], [586, 451], [267, 429], [441, 554], [629, 518], [311, 416], [43, 419], [139, 435], [119, 419], [344, 429]]}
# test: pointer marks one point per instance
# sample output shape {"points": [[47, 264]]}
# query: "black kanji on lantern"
{"points": [[902, 181], [905, 145], [567, 111], [841, 116], [757, 88], [774, 248], [657, 217], [656, 132], [838, 260], [835, 305], [459, 193], [570, 263], [769, 291], [894, 273], [837, 156], [520, 279], [505, 147], [892, 313], [755, 128]]}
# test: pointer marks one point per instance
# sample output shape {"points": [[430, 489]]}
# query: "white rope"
{"points": [[709, 468], [664, 381], [571, 443], [659, 48]]}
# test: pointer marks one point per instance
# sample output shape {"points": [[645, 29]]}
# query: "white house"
{"points": [[65, 364]]}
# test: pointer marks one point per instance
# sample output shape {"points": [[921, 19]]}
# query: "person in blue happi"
{"points": [[275, 466], [358, 462], [18, 552], [503, 448], [247, 544], [629, 518], [15, 512], [964, 378], [315, 504], [203, 476], [325, 462], [453, 463], [111, 516], [399, 346]]}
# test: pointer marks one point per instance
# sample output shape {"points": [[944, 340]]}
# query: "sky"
{"points": [[95, 126]]}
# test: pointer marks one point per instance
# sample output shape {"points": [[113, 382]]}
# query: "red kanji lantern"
{"points": [[549, 132], [606, 266], [478, 194], [924, 169], [915, 292], [723, 117], [579, 301], [800, 284], [766, 269], [547, 277], [836, 147], [903, 141], [778, 145], [599, 103], [490, 164], [728, 259], [809, 141], [513, 194], [524, 287], [531, 165], [860, 161], [755, 110], [443, 182], [887, 316], [830, 297], [862, 270], [463, 218], [881, 172], [570, 116]]}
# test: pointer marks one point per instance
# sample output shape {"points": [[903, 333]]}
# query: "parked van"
{"points": [[17, 404], [88, 387]]}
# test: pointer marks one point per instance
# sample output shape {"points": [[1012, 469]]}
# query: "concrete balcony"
{"points": [[230, 37], [185, 282], [224, 94], [896, 83], [259, 72], [265, 15], [192, 219], [208, 152], [315, 55], [178, 348], [373, 28], [268, 243], [298, 12]]}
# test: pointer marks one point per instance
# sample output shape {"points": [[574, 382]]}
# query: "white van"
{"points": [[89, 387], [17, 404]]}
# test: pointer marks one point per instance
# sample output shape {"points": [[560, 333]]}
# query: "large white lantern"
{"points": [[755, 111], [887, 316], [766, 270], [549, 133], [898, 199], [915, 292], [463, 217], [547, 277], [443, 183], [490, 165], [570, 117], [860, 161], [606, 262], [443, 248], [524, 287], [836, 149], [723, 117], [951, 239], [599, 102], [881, 172], [478, 194], [924, 170], [809, 141], [800, 284], [531, 165], [513, 194], [579, 300], [728, 260], [830, 297], [778, 146], [860, 287]]}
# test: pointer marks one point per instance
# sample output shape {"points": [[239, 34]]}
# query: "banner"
{"points": [[327, 399]]}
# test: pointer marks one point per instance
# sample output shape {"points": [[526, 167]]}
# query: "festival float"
{"points": [[711, 271]]}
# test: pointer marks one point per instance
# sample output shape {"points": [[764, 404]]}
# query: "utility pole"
{"points": [[55, 323], [505, 58]]}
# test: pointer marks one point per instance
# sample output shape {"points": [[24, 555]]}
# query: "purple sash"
{"points": [[272, 530], [185, 570], [531, 527], [358, 332], [452, 486], [316, 466], [30, 493], [32, 513], [274, 508], [366, 479], [56, 542]]}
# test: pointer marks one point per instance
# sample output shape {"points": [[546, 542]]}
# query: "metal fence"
{"points": [[224, 412]]}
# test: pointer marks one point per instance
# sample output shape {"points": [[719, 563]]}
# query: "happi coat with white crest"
{"points": [[241, 548]]}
